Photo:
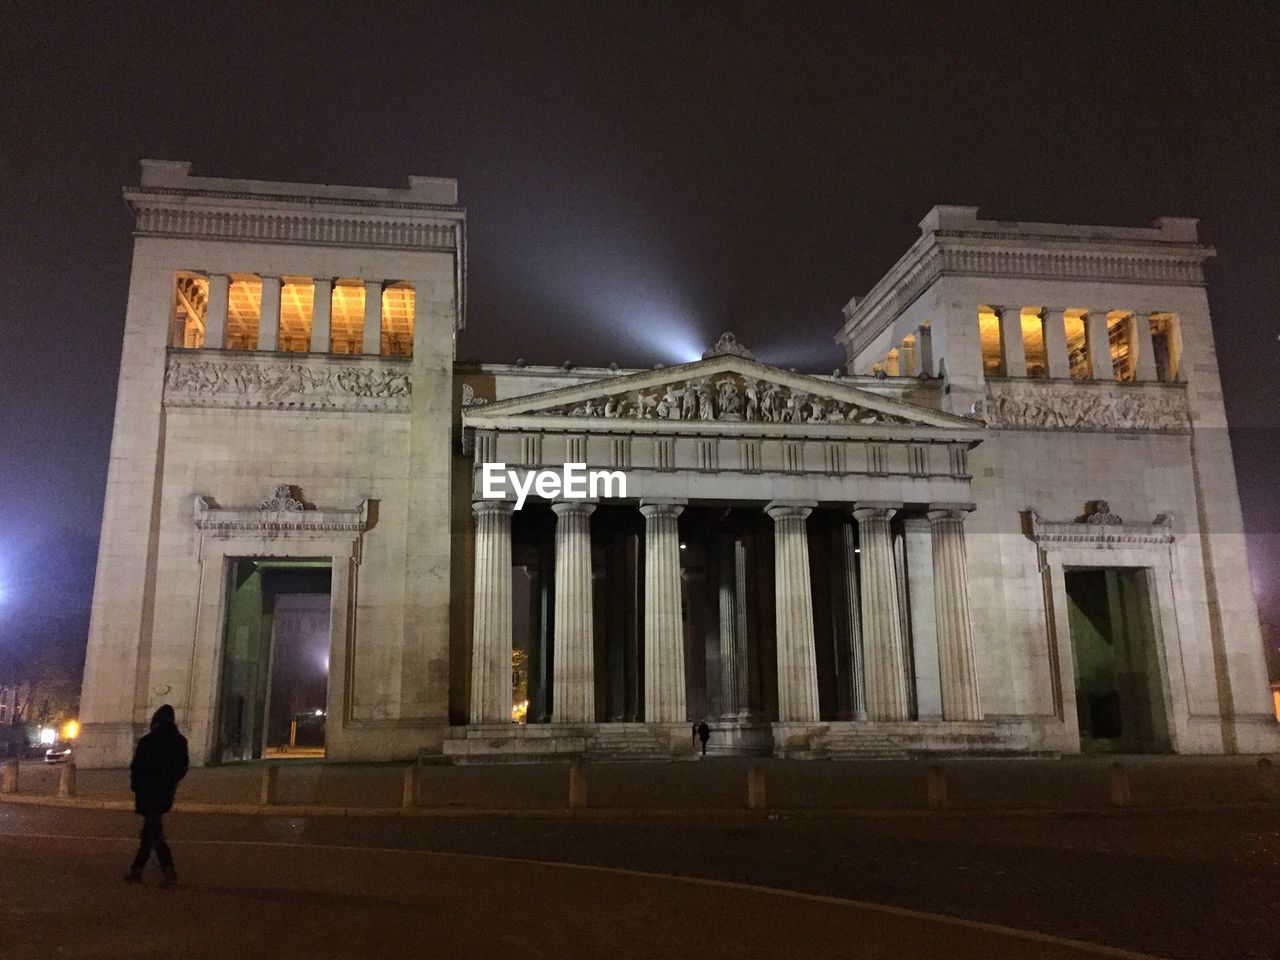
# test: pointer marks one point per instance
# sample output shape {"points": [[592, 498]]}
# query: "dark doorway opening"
{"points": [[1119, 693], [275, 664]]}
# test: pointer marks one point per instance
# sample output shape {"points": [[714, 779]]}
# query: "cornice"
{"points": [[969, 254], [389, 226]]}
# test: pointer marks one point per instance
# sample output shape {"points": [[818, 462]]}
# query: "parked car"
{"points": [[58, 753]]}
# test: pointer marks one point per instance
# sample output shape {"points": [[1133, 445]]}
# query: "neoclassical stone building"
{"points": [[1009, 524]]}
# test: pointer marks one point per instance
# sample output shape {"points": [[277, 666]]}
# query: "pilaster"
{"points": [[322, 316], [269, 314], [957, 657]]}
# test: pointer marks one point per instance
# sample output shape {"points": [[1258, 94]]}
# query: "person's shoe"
{"points": [[133, 876], [169, 878]]}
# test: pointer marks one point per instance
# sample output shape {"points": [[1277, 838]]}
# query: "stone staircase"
{"points": [[616, 742], [843, 743]]}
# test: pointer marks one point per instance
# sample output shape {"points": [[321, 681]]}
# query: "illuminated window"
{"points": [[1120, 341], [397, 320], [297, 302], [1077, 344], [1166, 343], [190, 303], [989, 335], [1032, 322], [348, 316], [891, 363], [244, 310]]}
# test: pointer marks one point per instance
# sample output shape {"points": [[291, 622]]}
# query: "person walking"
{"points": [[704, 734], [159, 763]]}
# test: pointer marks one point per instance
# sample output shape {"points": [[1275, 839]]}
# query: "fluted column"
{"points": [[1057, 356], [853, 617], [491, 629], [215, 312], [372, 336], [322, 316], [881, 617], [269, 314], [727, 595], [957, 658], [664, 683], [793, 606], [573, 684], [1099, 345], [1015, 355]]}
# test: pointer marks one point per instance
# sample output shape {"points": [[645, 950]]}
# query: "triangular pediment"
{"points": [[722, 389]]}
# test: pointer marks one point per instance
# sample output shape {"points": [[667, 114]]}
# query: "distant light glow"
{"points": [[71, 730], [48, 736]]}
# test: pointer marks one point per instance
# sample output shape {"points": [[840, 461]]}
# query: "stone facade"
{"points": [[882, 562]]}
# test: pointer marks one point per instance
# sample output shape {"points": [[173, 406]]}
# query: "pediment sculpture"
{"points": [[724, 397]]}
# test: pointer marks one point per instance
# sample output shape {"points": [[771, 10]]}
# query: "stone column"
{"points": [[573, 684], [793, 611], [853, 617], [491, 630], [215, 312], [1144, 350], [924, 337], [372, 317], [1099, 345], [664, 683], [957, 658], [727, 596], [881, 619], [269, 314], [924, 627], [321, 316], [1015, 355], [1055, 344]]}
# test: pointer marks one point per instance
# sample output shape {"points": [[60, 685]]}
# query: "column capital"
{"points": [[662, 507], [949, 511], [875, 509], [789, 509], [562, 508], [492, 506]]}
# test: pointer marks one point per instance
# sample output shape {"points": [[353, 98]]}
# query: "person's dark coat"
{"points": [[159, 762]]}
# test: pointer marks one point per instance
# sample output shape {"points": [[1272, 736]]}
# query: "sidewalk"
{"points": [[711, 787]]}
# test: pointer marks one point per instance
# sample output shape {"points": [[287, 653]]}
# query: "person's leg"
{"points": [[163, 853], [144, 853]]}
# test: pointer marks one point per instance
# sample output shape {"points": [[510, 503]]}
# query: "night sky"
{"points": [[638, 178]]}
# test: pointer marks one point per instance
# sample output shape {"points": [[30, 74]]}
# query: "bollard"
{"points": [[577, 786], [67, 780], [10, 783], [936, 785], [1268, 783], [410, 797], [756, 798], [267, 792], [1119, 792]]}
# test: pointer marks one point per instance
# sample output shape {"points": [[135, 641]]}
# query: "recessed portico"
{"points": [[775, 594]]}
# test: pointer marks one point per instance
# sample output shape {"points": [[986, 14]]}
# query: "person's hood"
{"points": [[164, 716]]}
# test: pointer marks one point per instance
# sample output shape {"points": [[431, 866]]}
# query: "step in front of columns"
{"points": [[622, 742], [899, 740]]}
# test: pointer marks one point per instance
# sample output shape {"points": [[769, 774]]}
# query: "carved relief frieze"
{"points": [[1100, 527], [1035, 405], [268, 382], [725, 397], [282, 512]]}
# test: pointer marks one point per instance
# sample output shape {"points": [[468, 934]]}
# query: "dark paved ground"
{"points": [[1174, 885]]}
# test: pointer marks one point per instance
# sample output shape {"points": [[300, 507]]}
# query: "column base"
{"points": [[106, 745]]}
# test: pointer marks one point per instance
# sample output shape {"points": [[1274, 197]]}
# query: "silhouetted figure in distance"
{"points": [[159, 763], [704, 734]]}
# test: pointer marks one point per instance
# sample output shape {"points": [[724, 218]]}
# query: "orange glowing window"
{"points": [[190, 304], [989, 336], [1077, 344]]}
